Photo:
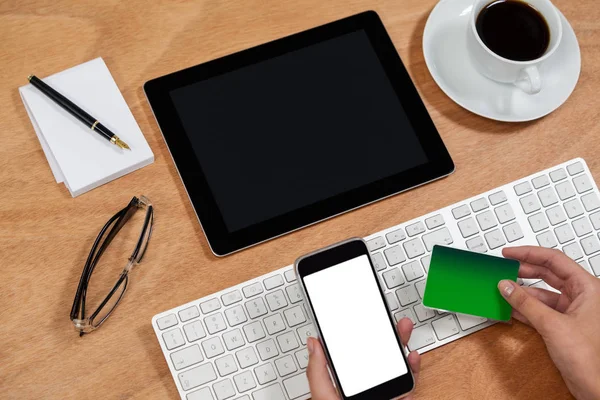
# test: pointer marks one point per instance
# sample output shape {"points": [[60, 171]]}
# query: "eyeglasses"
{"points": [[85, 324]]}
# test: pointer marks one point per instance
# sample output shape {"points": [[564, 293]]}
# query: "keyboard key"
{"points": [[547, 240], [226, 365], [582, 183], [294, 316], [469, 321], [231, 297], [244, 381], [565, 190], [445, 327], [394, 255], [407, 295], [412, 270], [235, 316], [254, 331], [468, 227], [273, 282], [391, 301], [590, 202], [408, 313], [189, 313], [267, 350], [213, 347], [185, 357], [595, 218], [256, 308], [476, 244], [423, 314], [210, 306], [595, 264], [530, 204], [293, 292], [376, 243], [253, 290], [575, 168], [460, 212], [586, 266], [497, 198], [441, 236], [513, 232], [494, 239], [504, 213], [224, 389], [166, 322], [522, 188], [393, 278], [415, 229], [556, 215], [194, 331], [564, 233], [197, 376], [378, 262], [305, 331], [274, 323], [173, 339], [558, 175], [290, 275], [420, 286], [421, 336], [540, 181], [202, 394], [272, 392], [246, 357], [573, 250], [538, 222], [296, 386], [233, 339], [434, 222], [395, 236], [425, 261], [486, 220], [547, 197], [590, 245], [414, 248], [285, 366], [276, 300], [582, 226], [573, 208], [287, 341], [302, 358], [479, 204], [215, 323]]}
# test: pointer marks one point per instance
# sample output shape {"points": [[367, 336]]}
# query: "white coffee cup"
{"points": [[523, 74]]}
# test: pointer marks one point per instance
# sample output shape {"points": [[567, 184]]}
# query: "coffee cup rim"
{"points": [[548, 53]]}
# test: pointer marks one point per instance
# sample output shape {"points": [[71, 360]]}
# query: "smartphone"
{"points": [[365, 355]]}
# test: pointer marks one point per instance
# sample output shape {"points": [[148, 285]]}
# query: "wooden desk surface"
{"points": [[45, 234]]}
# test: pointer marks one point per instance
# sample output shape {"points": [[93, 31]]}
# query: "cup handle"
{"points": [[529, 80]]}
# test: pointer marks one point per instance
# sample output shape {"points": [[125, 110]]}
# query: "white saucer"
{"points": [[445, 49]]}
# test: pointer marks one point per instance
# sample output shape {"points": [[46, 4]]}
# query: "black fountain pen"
{"points": [[77, 112]]}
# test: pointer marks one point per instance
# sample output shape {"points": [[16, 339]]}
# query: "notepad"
{"points": [[79, 157]]}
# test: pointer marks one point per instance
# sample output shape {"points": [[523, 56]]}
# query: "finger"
{"points": [[540, 316], [555, 260], [520, 317], [405, 328], [414, 360], [545, 296], [317, 373], [531, 271]]}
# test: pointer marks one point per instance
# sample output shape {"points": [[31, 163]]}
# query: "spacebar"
{"points": [[296, 386]]}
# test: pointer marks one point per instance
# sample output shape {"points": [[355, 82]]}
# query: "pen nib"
{"points": [[120, 143]]}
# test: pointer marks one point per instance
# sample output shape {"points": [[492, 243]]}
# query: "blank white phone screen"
{"points": [[355, 325]]}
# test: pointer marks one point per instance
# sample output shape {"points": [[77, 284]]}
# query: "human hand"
{"points": [[569, 322], [321, 386]]}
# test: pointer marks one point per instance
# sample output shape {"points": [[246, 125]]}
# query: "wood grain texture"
{"points": [[45, 234]]}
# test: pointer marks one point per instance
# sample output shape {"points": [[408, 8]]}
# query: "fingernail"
{"points": [[310, 345], [506, 287]]}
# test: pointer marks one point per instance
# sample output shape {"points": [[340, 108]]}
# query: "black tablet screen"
{"points": [[284, 133]]}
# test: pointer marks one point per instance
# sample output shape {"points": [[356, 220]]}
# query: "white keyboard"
{"points": [[248, 342]]}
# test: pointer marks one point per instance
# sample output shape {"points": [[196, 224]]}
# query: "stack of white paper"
{"points": [[79, 157]]}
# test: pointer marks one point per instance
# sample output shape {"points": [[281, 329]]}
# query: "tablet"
{"points": [[294, 131]]}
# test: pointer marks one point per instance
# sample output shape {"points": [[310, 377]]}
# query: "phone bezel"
{"points": [[329, 257]]}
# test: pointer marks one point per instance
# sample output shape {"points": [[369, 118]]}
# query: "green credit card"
{"points": [[466, 282]]}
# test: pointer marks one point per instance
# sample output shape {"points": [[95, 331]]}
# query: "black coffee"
{"points": [[513, 29]]}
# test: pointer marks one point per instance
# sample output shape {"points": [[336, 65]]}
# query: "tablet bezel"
{"points": [[223, 242]]}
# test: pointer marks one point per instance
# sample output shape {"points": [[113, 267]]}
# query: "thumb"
{"points": [[537, 313], [321, 387]]}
